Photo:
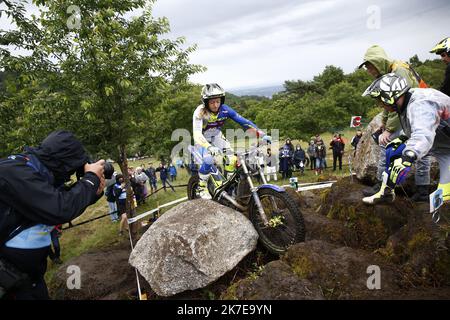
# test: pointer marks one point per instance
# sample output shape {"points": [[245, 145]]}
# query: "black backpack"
{"points": [[109, 193]]}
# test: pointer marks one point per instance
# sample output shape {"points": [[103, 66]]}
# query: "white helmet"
{"points": [[211, 91], [388, 88]]}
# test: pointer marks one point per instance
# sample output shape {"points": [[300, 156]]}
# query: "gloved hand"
{"points": [[394, 144], [267, 139], [384, 138], [214, 151], [399, 169]]}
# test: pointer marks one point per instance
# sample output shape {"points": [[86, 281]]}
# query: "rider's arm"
{"points": [[424, 120], [197, 128], [244, 123]]}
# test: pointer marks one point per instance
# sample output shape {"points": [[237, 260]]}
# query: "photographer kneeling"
{"points": [[33, 199]]}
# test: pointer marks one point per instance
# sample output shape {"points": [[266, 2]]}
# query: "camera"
{"points": [[108, 170]]}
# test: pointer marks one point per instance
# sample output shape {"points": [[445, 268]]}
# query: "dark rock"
{"points": [[277, 281], [319, 227], [104, 275], [316, 269], [370, 226]]}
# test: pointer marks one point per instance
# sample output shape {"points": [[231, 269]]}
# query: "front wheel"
{"points": [[286, 225]]}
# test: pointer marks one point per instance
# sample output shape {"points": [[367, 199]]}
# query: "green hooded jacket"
{"points": [[376, 56]]}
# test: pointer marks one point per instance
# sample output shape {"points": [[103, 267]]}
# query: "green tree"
{"points": [[95, 71], [330, 75]]}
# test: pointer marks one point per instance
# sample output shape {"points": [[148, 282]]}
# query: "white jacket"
{"points": [[424, 121]]}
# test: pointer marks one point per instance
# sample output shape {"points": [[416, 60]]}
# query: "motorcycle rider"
{"points": [[425, 118], [443, 49], [208, 119]]}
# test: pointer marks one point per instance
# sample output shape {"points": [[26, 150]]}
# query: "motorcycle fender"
{"points": [[273, 187]]}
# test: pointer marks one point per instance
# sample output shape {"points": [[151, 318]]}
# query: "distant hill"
{"points": [[257, 91]]}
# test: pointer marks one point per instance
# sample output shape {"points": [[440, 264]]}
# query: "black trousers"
{"points": [[337, 156], [33, 262], [312, 163]]}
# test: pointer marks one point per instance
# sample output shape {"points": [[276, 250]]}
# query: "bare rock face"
{"points": [[192, 245], [367, 156]]}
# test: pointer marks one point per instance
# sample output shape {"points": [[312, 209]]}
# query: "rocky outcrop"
{"points": [[317, 270], [346, 240], [276, 282], [192, 245], [365, 162]]}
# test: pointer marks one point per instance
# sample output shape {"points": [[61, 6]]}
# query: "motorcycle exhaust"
{"points": [[230, 199]]}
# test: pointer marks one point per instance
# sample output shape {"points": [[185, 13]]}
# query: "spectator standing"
{"points": [[120, 193], [172, 172], [320, 154], [271, 166], [312, 154], [355, 140], [151, 174], [299, 158], [111, 199], [338, 146], [286, 154]]}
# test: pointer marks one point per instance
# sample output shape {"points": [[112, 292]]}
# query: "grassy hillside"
{"points": [[103, 233]]}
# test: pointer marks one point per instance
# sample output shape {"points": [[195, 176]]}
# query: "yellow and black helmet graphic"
{"points": [[442, 46]]}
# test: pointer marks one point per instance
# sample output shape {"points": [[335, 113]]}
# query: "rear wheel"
{"points": [[192, 188], [286, 225]]}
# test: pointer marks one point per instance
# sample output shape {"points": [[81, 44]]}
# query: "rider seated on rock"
{"points": [[208, 119], [425, 118]]}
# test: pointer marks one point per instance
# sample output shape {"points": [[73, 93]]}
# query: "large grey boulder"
{"points": [[365, 163], [192, 245]]}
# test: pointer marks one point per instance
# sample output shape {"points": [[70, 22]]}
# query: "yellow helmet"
{"points": [[442, 46]]}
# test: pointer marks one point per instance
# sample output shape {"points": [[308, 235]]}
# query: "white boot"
{"points": [[202, 186], [385, 195]]}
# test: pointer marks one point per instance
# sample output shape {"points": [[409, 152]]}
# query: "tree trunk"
{"points": [[130, 205]]}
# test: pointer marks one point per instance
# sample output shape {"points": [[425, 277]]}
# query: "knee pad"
{"points": [[205, 168]]}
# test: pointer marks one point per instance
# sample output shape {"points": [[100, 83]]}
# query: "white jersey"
{"points": [[426, 121]]}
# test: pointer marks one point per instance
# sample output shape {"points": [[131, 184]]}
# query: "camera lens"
{"points": [[108, 170]]}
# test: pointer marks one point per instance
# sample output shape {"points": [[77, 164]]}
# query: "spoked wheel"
{"points": [[192, 188], [286, 225]]}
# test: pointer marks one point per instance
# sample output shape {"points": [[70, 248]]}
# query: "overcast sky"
{"points": [[265, 42]]}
